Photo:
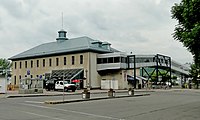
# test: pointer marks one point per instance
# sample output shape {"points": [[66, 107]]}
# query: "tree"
{"points": [[194, 72], [163, 74], [187, 31], [4, 65]]}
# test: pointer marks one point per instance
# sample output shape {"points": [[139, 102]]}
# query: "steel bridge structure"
{"points": [[150, 65]]}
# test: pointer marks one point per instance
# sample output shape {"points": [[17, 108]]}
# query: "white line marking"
{"points": [[77, 112], [33, 102], [42, 115]]}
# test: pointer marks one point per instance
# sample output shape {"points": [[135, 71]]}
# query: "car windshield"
{"points": [[50, 81], [66, 82]]}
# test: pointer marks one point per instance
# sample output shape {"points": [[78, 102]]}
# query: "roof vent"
{"points": [[61, 35]]}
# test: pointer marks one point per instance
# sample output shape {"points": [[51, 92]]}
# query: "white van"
{"points": [[66, 86]]}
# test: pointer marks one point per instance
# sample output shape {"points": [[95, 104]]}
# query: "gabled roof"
{"points": [[80, 44]]}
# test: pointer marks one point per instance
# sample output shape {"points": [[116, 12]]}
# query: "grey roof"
{"points": [[63, 47]]}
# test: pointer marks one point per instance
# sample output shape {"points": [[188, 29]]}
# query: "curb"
{"points": [[40, 95], [82, 100]]}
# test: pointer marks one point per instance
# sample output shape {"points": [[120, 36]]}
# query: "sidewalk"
{"points": [[119, 94], [14, 94]]}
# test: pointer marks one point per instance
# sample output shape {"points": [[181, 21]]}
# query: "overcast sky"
{"points": [[137, 26]]}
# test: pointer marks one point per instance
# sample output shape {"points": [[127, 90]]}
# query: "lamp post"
{"points": [[86, 93], [87, 81], [198, 78]]}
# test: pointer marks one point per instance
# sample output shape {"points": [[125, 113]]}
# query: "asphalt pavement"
{"points": [[170, 104], [95, 94]]}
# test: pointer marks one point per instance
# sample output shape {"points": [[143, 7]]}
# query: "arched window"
{"points": [[81, 59], [73, 59], [65, 61]]}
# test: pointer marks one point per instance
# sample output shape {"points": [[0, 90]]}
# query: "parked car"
{"points": [[59, 85], [50, 85]]}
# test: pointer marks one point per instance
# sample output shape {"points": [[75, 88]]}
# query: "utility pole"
{"points": [[63, 87]]}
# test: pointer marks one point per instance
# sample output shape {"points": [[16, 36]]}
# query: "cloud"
{"points": [[140, 26], [19, 8]]}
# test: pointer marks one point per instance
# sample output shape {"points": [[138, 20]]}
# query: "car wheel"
{"points": [[73, 90], [65, 90]]}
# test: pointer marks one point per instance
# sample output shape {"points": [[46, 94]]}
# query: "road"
{"points": [[160, 105]]}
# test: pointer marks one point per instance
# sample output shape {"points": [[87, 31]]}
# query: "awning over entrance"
{"points": [[68, 74], [130, 78], [143, 78]]}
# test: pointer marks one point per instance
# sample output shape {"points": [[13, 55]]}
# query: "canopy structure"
{"points": [[67, 74]]}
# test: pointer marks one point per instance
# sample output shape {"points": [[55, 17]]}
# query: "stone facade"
{"points": [[40, 66]]}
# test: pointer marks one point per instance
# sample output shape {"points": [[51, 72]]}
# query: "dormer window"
{"points": [[97, 43], [103, 45], [106, 45]]}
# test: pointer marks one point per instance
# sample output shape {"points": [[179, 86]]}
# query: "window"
{"points": [[15, 65], [31, 64], [123, 59], [99, 60], [147, 60], [37, 63], [57, 61], [50, 62], [65, 61], [61, 83], [131, 59], [20, 65], [105, 60], [116, 59], [110, 60], [73, 60], [25, 64], [81, 59], [20, 77], [15, 80], [43, 63], [31, 76]]}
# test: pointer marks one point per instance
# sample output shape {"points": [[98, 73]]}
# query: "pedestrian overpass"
{"points": [[158, 62]]}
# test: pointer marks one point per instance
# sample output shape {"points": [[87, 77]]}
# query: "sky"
{"points": [[137, 26]]}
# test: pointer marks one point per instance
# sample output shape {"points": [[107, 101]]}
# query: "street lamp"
{"points": [[87, 81], [198, 78]]}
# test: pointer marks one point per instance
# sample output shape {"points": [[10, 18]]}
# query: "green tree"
{"points": [[163, 74], [194, 72], [4, 65], [187, 31]]}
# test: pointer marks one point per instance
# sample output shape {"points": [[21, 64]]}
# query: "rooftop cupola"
{"points": [[61, 35]]}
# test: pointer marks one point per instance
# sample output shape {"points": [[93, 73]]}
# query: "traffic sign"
{"points": [[28, 72]]}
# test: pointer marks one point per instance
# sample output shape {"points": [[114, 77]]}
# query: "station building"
{"points": [[93, 63], [70, 59]]}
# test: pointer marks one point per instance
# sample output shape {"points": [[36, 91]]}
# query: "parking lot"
{"points": [[163, 104]]}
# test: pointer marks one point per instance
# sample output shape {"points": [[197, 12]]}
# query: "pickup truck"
{"points": [[66, 86]]}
